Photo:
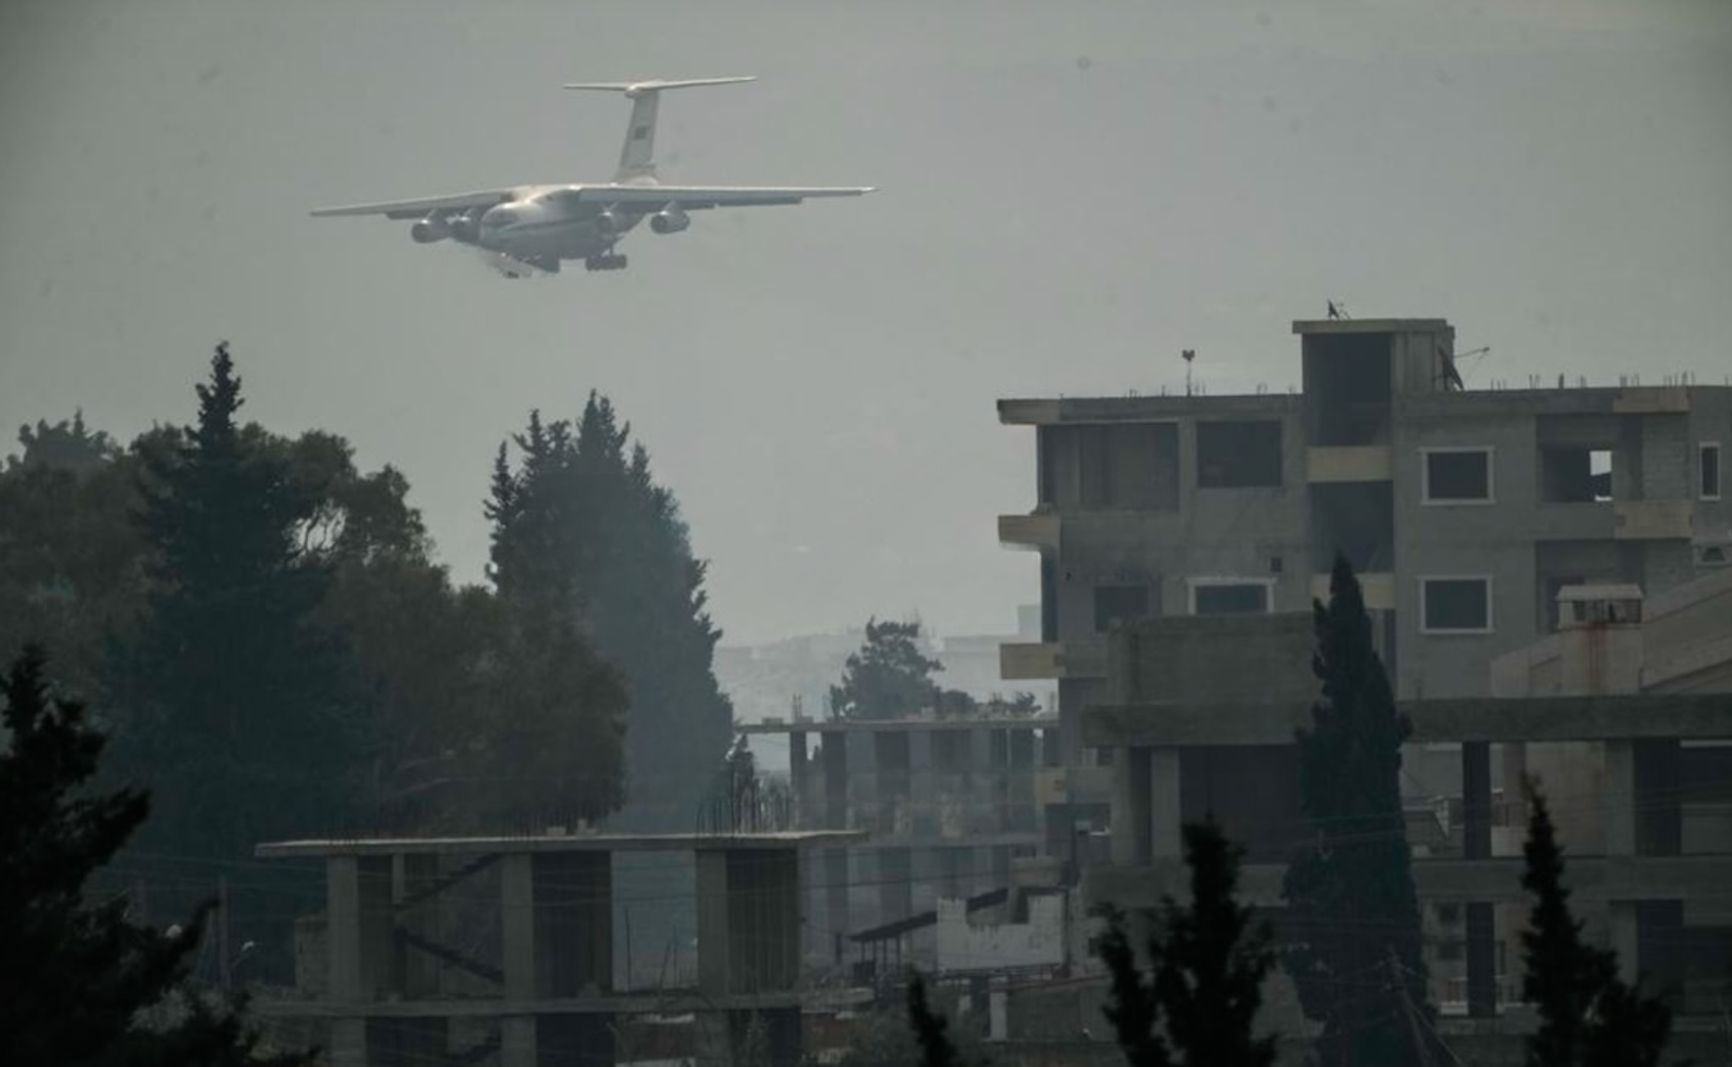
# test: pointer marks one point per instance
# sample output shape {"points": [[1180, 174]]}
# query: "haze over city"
{"points": [[1069, 195]]}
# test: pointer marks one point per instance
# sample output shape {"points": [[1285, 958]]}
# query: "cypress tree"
{"points": [[1350, 890], [1588, 1016], [1208, 961]]}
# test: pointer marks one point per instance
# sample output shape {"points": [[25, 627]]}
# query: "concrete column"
{"points": [[343, 927], [800, 781], [517, 924], [517, 1041], [1620, 798], [1623, 920], [1165, 813], [1132, 834], [348, 1043], [1481, 960], [922, 787], [1476, 799]]}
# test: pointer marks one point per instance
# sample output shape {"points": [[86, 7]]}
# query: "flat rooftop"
{"points": [[1305, 326], [890, 726], [597, 842]]}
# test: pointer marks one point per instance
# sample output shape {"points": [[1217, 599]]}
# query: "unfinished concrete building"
{"points": [[1464, 512], [947, 807], [1200, 715], [501, 950]]}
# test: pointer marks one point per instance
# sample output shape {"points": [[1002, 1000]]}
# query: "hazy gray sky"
{"points": [[1070, 194]]}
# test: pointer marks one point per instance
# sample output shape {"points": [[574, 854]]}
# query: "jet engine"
{"points": [[609, 222], [430, 229], [465, 227], [670, 219]]}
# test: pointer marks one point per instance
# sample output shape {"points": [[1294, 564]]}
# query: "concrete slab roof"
{"points": [[889, 726], [1046, 411], [597, 842], [1688, 717], [1304, 326]]}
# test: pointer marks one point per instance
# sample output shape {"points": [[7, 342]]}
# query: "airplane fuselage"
{"points": [[545, 224]]}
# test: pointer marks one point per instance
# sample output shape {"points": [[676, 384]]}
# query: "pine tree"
{"points": [[77, 975], [1588, 1016], [1350, 891], [581, 531], [238, 710], [889, 677], [1208, 961]]}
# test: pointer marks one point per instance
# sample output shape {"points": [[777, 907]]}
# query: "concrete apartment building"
{"points": [[945, 807], [502, 950], [1463, 511]]}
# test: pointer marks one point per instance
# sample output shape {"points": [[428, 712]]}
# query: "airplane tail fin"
{"points": [[637, 157]]}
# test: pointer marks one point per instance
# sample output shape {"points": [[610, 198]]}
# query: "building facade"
{"points": [[1464, 513]]}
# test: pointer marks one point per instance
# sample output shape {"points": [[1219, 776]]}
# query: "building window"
{"points": [[1457, 475], [1231, 596], [1238, 455], [1120, 603], [1575, 475], [1708, 468], [1455, 605]]}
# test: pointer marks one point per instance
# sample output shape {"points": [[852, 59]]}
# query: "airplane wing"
{"points": [[414, 209], [698, 197]]}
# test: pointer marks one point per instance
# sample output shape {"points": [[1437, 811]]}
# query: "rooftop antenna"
{"points": [[1189, 355], [1337, 311]]}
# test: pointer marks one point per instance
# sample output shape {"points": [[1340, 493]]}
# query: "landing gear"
{"points": [[610, 261]]}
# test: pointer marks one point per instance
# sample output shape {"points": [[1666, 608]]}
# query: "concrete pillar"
{"points": [[922, 784], [1476, 799], [348, 1042], [1623, 920], [343, 927], [1620, 798], [517, 924], [517, 1041], [800, 781], [1166, 815], [1481, 960], [1132, 832]]}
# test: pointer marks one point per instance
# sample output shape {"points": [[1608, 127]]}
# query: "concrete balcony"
{"points": [[1037, 530], [1349, 463], [1652, 520], [1378, 588], [1056, 659]]}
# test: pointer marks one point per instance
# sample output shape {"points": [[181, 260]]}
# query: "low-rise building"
{"points": [[502, 950]]}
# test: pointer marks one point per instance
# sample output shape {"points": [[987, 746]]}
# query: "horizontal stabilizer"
{"points": [[656, 85]]}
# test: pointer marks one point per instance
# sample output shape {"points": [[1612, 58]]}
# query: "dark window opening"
{"points": [[1048, 599], [1347, 389], [1575, 475], [1356, 519], [1457, 605], [1238, 455], [1452, 476], [1248, 598], [1120, 603], [1129, 465], [1709, 467]]}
